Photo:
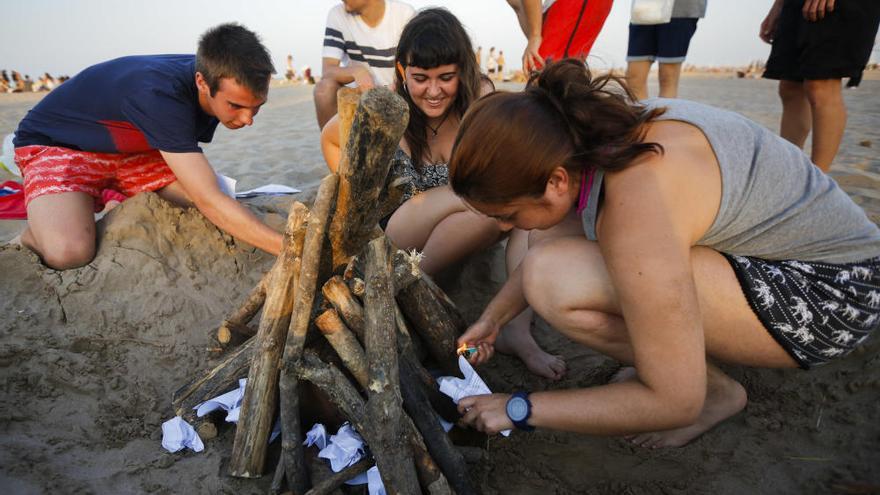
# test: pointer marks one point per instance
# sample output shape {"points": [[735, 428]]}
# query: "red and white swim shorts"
{"points": [[52, 170]]}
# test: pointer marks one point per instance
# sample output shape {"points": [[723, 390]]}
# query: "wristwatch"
{"points": [[519, 410]]}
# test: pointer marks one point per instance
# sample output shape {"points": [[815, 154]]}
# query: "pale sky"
{"points": [[64, 36]]}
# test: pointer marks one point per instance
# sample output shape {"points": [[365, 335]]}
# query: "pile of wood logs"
{"points": [[340, 277]]}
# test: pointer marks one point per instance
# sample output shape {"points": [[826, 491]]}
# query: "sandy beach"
{"points": [[89, 357]]}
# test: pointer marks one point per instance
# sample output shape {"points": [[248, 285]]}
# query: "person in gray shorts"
{"points": [[667, 44], [668, 235]]}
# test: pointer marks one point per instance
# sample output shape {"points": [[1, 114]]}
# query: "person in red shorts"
{"points": [[131, 125], [559, 29]]}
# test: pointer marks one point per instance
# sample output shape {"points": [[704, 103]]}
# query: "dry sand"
{"points": [[89, 358]]}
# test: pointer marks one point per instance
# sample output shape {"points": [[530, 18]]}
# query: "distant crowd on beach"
{"points": [[15, 83], [304, 76]]}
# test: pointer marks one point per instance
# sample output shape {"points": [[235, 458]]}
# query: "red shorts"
{"points": [[571, 26], [51, 170]]}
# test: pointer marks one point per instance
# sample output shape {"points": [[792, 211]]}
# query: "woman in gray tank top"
{"points": [[706, 238]]}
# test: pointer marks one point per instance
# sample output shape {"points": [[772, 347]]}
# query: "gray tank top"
{"points": [[775, 204]]}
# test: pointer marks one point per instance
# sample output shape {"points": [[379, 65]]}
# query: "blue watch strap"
{"points": [[519, 410]]}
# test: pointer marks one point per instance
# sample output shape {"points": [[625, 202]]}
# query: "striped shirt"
{"points": [[350, 40]]}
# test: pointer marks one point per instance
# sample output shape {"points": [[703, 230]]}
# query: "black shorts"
{"points": [[835, 47], [666, 43], [815, 311]]}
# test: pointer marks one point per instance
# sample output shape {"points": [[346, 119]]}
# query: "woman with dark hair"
{"points": [[705, 238], [439, 78]]}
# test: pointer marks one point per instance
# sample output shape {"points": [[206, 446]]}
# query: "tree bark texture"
{"points": [[258, 405], [378, 125], [291, 432]]}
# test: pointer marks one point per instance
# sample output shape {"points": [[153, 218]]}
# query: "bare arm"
{"points": [[508, 303], [360, 75], [768, 26], [197, 178], [531, 23]]}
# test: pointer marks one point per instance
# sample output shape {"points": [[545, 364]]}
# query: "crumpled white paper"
{"points": [[178, 434], [459, 388], [231, 403], [316, 436], [343, 449], [267, 190]]}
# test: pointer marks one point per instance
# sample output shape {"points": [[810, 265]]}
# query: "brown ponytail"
{"points": [[509, 143]]}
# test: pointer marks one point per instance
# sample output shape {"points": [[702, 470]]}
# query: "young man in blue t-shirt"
{"points": [[133, 124]]}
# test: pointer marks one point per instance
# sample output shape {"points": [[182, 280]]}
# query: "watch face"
{"points": [[517, 409]]}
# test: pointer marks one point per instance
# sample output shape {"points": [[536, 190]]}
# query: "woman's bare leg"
{"points": [[586, 309], [516, 338], [440, 225]]}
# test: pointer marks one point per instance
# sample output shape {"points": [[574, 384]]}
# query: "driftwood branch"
{"points": [[345, 344], [347, 100], [291, 431], [336, 292], [430, 318], [258, 404], [349, 349], [396, 467], [235, 326], [334, 481], [378, 125], [216, 381], [442, 450]]}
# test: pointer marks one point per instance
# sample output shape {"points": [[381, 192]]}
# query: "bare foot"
{"points": [[516, 338], [725, 397]]}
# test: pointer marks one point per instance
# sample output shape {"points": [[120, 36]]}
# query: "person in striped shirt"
{"points": [[360, 42]]}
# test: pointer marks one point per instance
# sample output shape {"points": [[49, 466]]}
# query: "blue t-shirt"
{"points": [[126, 105]]}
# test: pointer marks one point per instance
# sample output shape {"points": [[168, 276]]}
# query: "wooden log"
{"points": [[291, 431], [406, 271], [444, 453], [218, 380], [353, 357], [236, 324], [378, 125], [408, 343], [258, 404], [392, 196], [329, 484], [343, 394], [346, 105], [384, 401], [277, 486], [432, 321], [345, 343], [336, 292], [229, 334]]}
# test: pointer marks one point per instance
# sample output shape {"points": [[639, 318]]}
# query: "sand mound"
{"points": [[91, 356]]}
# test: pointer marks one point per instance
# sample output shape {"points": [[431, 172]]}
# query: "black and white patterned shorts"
{"points": [[816, 311]]}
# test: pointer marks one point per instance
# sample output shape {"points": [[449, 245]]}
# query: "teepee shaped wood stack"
{"points": [[340, 277]]}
